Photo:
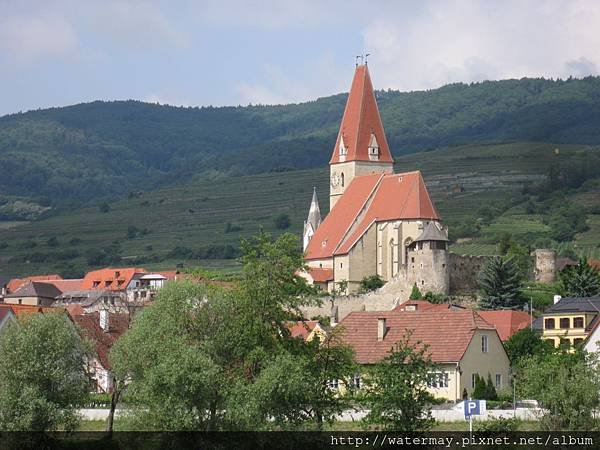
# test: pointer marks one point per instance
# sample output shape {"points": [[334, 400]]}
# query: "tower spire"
{"points": [[313, 220]]}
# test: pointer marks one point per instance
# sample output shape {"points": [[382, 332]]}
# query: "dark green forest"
{"points": [[65, 157]]}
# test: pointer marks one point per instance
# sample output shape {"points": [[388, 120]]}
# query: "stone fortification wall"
{"points": [[463, 270]]}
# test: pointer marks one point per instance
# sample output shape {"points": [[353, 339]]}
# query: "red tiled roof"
{"points": [[16, 283], [447, 333], [507, 322], [361, 120], [332, 230], [302, 328], [21, 310], [369, 199], [103, 341], [110, 279], [595, 263], [320, 274], [66, 285]]}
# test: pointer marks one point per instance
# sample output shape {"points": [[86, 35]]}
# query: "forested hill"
{"points": [[103, 149]]}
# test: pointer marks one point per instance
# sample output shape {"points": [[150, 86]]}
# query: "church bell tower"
{"points": [[361, 147]]}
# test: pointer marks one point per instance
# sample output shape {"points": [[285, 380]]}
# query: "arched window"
{"points": [[342, 178]]}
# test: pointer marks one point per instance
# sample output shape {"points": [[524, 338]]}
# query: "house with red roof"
{"points": [[460, 342], [16, 283], [506, 321], [307, 330], [102, 329], [380, 222]]}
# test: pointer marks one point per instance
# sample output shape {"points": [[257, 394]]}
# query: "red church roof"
{"points": [[369, 199], [361, 121]]}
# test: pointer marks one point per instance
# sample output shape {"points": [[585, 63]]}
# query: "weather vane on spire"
{"points": [[363, 59]]}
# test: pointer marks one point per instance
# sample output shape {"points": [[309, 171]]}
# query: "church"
{"points": [[380, 222]]}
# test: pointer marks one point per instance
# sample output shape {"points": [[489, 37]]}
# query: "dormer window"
{"points": [[343, 150], [373, 148]]}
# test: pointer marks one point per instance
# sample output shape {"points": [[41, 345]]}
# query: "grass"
{"points": [[195, 213]]}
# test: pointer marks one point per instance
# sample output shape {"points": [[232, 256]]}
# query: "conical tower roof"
{"points": [[314, 213], [361, 124]]}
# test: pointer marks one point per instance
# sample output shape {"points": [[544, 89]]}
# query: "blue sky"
{"points": [[203, 52]]}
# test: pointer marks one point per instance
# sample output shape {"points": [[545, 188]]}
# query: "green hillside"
{"points": [[498, 188], [63, 158]]}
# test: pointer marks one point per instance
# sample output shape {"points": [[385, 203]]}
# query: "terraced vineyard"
{"points": [[145, 228]]}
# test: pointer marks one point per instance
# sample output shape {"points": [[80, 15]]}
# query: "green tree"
{"points": [[282, 222], [371, 283], [500, 283], [480, 389], [581, 280], [524, 343], [490, 389], [415, 293], [567, 386], [42, 374], [396, 388]]}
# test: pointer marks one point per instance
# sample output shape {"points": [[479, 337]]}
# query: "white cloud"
{"points": [[26, 38], [470, 40], [310, 80]]}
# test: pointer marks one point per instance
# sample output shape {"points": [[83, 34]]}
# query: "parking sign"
{"points": [[472, 408]]}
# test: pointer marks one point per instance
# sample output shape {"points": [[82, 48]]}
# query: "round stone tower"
{"points": [[544, 265]]}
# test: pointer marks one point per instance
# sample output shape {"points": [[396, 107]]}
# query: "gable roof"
{"points": [[507, 322], [102, 340], [361, 122], [111, 279], [35, 289], [16, 283], [302, 328], [320, 274], [575, 304], [367, 200], [447, 333], [423, 305]]}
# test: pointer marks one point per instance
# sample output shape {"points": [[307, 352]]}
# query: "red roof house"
{"points": [[507, 322]]}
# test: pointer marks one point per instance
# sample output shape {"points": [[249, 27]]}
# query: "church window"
{"points": [[342, 179], [341, 265], [422, 282]]}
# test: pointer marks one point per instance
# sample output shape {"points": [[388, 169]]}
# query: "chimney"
{"points": [[104, 323], [381, 329], [557, 299]]}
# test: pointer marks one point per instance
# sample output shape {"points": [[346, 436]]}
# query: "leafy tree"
{"points": [[581, 280], [396, 388], [504, 243], [415, 294], [371, 283], [500, 283], [52, 242], [282, 222], [524, 343], [104, 207], [567, 386], [42, 374]]}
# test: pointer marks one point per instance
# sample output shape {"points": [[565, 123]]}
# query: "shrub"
{"points": [[371, 283], [282, 222]]}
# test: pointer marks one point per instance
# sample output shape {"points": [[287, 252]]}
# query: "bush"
{"points": [[52, 242], [282, 222], [371, 283], [499, 425], [104, 207]]}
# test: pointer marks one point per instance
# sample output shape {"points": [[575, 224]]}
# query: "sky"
{"points": [[233, 52]]}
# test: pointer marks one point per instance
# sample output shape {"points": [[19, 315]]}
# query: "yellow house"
{"points": [[460, 342], [570, 320]]}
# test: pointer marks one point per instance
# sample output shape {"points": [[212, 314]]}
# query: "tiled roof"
{"points": [[20, 310], [35, 289], [321, 275], [66, 285], [575, 304], [423, 305], [369, 199], [302, 328], [112, 279], [595, 263], [15, 283], [361, 121], [103, 341], [507, 322], [447, 333]]}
